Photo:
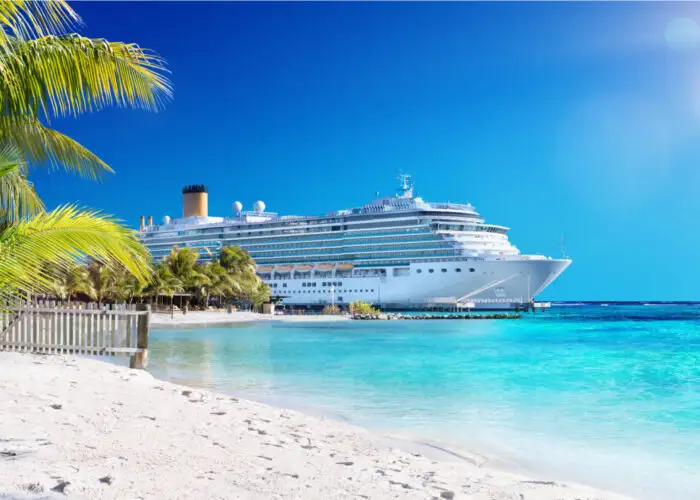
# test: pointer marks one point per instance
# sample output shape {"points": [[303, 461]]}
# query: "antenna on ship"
{"points": [[563, 247], [405, 186]]}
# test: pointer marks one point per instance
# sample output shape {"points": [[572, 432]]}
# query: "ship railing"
{"points": [[503, 300]]}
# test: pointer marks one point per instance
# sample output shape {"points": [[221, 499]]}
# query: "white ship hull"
{"points": [[493, 284]]}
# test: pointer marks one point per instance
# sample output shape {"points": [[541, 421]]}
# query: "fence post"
{"points": [[140, 359]]}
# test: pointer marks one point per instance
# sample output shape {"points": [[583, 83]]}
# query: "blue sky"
{"points": [[576, 119]]}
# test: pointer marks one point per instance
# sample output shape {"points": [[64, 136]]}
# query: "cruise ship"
{"points": [[397, 251]]}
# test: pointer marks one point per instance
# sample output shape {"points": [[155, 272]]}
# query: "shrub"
{"points": [[331, 310], [360, 307]]}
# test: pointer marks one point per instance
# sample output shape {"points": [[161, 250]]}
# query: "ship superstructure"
{"points": [[394, 251]]}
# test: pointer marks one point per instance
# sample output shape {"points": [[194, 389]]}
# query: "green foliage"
{"points": [[237, 261], [178, 272], [331, 310], [360, 307], [45, 72], [62, 237]]}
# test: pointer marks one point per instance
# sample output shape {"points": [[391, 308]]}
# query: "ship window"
{"points": [[471, 269], [444, 270], [430, 270], [373, 289], [458, 270], [323, 284], [419, 270], [284, 285], [313, 284]]}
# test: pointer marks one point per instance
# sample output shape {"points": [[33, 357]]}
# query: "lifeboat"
{"points": [[284, 268], [305, 267], [325, 267], [265, 269], [345, 266]]}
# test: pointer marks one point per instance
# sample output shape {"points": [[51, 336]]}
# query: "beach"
{"points": [[222, 317], [82, 428]]}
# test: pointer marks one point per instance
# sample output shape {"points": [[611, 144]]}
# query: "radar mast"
{"points": [[405, 186]]}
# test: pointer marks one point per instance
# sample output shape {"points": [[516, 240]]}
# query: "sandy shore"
{"points": [[218, 317], [81, 428]]}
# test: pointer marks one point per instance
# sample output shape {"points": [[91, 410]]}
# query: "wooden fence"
{"points": [[60, 328]]}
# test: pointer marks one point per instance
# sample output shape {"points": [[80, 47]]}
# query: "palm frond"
{"points": [[30, 18], [236, 260], [71, 74], [43, 146], [18, 199], [62, 237]]}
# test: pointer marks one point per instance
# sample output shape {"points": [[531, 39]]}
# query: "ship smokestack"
{"points": [[143, 223], [150, 220], [195, 201]]}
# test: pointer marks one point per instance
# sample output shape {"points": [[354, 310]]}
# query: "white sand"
{"points": [[214, 317], [104, 431]]}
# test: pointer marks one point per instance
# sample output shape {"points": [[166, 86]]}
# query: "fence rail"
{"points": [[59, 328]]}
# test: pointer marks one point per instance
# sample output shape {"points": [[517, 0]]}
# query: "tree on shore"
{"points": [[180, 271], [47, 71]]}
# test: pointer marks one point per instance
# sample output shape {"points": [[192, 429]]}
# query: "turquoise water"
{"points": [[607, 396]]}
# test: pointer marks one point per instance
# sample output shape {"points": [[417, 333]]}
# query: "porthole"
{"points": [[431, 270], [419, 271], [444, 270], [458, 270], [471, 269]]}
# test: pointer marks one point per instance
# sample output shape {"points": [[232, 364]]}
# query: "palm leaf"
{"points": [[62, 237], [27, 19], [18, 199], [46, 147], [71, 74]]}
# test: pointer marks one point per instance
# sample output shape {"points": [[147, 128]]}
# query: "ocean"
{"points": [[602, 395]]}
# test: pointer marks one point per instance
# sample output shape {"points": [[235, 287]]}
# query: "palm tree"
{"points": [[183, 264], [77, 279], [220, 282], [46, 71], [254, 291], [123, 287], [237, 261], [164, 282], [69, 282], [101, 278]]}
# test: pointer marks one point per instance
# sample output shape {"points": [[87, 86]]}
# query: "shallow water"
{"points": [[607, 396]]}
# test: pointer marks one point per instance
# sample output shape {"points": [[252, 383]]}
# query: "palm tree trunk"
{"points": [[172, 308]]}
